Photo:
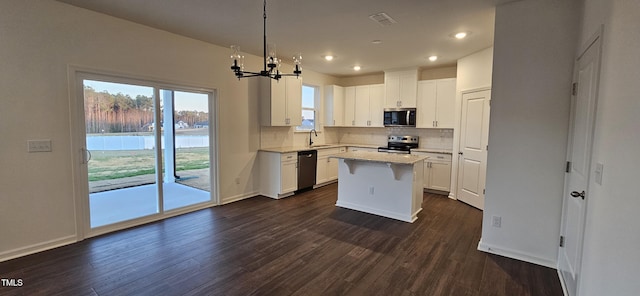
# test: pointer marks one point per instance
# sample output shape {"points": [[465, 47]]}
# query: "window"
{"points": [[308, 108]]}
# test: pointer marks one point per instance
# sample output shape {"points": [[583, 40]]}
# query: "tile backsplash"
{"points": [[441, 139]]}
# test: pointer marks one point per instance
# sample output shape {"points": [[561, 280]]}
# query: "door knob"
{"points": [[578, 194], [460, 153]]}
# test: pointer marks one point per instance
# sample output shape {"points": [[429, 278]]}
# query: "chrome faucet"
{"points": [[310, 139]]}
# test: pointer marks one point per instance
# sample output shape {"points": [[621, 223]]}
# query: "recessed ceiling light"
{"points": [[460, 35], [328, 57], [356, 68], [433, 58], [376, 41]]}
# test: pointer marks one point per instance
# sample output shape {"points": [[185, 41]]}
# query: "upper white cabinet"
{"points": [[334, 105], [400, 89], [436, 103], [363, 105], [281, 101]]}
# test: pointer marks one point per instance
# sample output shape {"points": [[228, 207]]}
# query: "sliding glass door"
{"points": [[147, 149]]}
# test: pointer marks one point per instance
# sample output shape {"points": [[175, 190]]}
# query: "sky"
{"points": [[184, 101]]}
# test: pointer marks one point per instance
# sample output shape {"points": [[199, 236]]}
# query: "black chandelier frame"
{"points": [[270, 64]]}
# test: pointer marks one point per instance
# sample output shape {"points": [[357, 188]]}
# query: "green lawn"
{"points": [[108, 165]]}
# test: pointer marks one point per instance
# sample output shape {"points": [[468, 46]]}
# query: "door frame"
{"points": [[595, 40], [75, 75]]}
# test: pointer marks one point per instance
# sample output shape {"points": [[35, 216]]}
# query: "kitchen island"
{"points": [[384, 184]]}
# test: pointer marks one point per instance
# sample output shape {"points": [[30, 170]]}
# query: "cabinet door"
{"points": [[362, 105], [425, 116], [321, 170], [332, 169], [334, 105], [294, 100], [288, 176], [440, 176], [408, 89], [391, 89], [376, 109], [446, 101], [278, 97], [427, 175], [349, 105]]}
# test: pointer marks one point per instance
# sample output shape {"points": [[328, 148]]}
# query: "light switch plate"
{"points": [[598, 173], [39, 146]]}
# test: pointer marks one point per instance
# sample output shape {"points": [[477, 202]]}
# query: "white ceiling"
{"points": [[317, 28]]}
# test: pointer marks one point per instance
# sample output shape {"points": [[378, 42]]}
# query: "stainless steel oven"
{"points": [[400, 144]]}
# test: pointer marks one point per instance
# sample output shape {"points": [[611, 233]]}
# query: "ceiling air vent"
{"points": [[383, 19]]}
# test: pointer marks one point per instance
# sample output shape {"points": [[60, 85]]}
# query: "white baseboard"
{"points": [[522, 256], [239, 197], [36, 248], [451, 196]]}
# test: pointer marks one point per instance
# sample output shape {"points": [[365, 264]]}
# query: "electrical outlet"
{"points": [[371, 190], [496, 221], [39, 146]]}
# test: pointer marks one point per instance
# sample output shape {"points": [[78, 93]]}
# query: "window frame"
{"points": [[316, 97]]}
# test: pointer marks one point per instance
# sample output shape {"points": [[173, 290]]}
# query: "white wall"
{"points": [[534, 48], [611, 253], [38, 41], [473, 72]]}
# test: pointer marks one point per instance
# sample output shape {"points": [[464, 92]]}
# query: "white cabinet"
{"points": [[281, 101], [350, 106], [400, 89], [437, 171], [436, 103], [327, 168], [334, 105], [363, 105], [278, 174], [289, 173]]}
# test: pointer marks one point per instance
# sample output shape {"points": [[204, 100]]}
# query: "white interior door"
{"points": [[474, 136], [579, 155]]}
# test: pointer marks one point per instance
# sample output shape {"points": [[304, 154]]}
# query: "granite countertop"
{"points": [[288, 149], [381, 157]]}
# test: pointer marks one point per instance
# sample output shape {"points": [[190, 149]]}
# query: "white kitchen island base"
{"points": [[388, 185]]}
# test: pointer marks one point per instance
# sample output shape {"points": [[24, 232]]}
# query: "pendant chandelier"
{"points": [[271, 63]]}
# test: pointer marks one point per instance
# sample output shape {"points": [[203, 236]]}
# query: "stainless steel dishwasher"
{"points": [[307, 162]]}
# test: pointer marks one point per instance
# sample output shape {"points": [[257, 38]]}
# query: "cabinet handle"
{"points": [[334, 122], [433, 123], [353, 122], [436, 123]]}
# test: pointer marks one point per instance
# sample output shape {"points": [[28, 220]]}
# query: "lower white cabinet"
{"points": [[278, 174], [437, 171], [327, 168]]}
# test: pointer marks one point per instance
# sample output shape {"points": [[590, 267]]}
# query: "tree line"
{"points": [[120, 113]]}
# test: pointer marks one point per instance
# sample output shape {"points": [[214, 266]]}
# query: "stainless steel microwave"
{"points": [[400, 117]]}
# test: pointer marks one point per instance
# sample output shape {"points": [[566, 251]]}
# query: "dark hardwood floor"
{"points": [[301, 245]]}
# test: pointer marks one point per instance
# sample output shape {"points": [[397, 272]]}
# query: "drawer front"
{"points": [[329, 151], [435, 157], [289, 156]]}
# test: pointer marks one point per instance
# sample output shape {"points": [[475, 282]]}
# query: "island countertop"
{"points": [[381, 157]]}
